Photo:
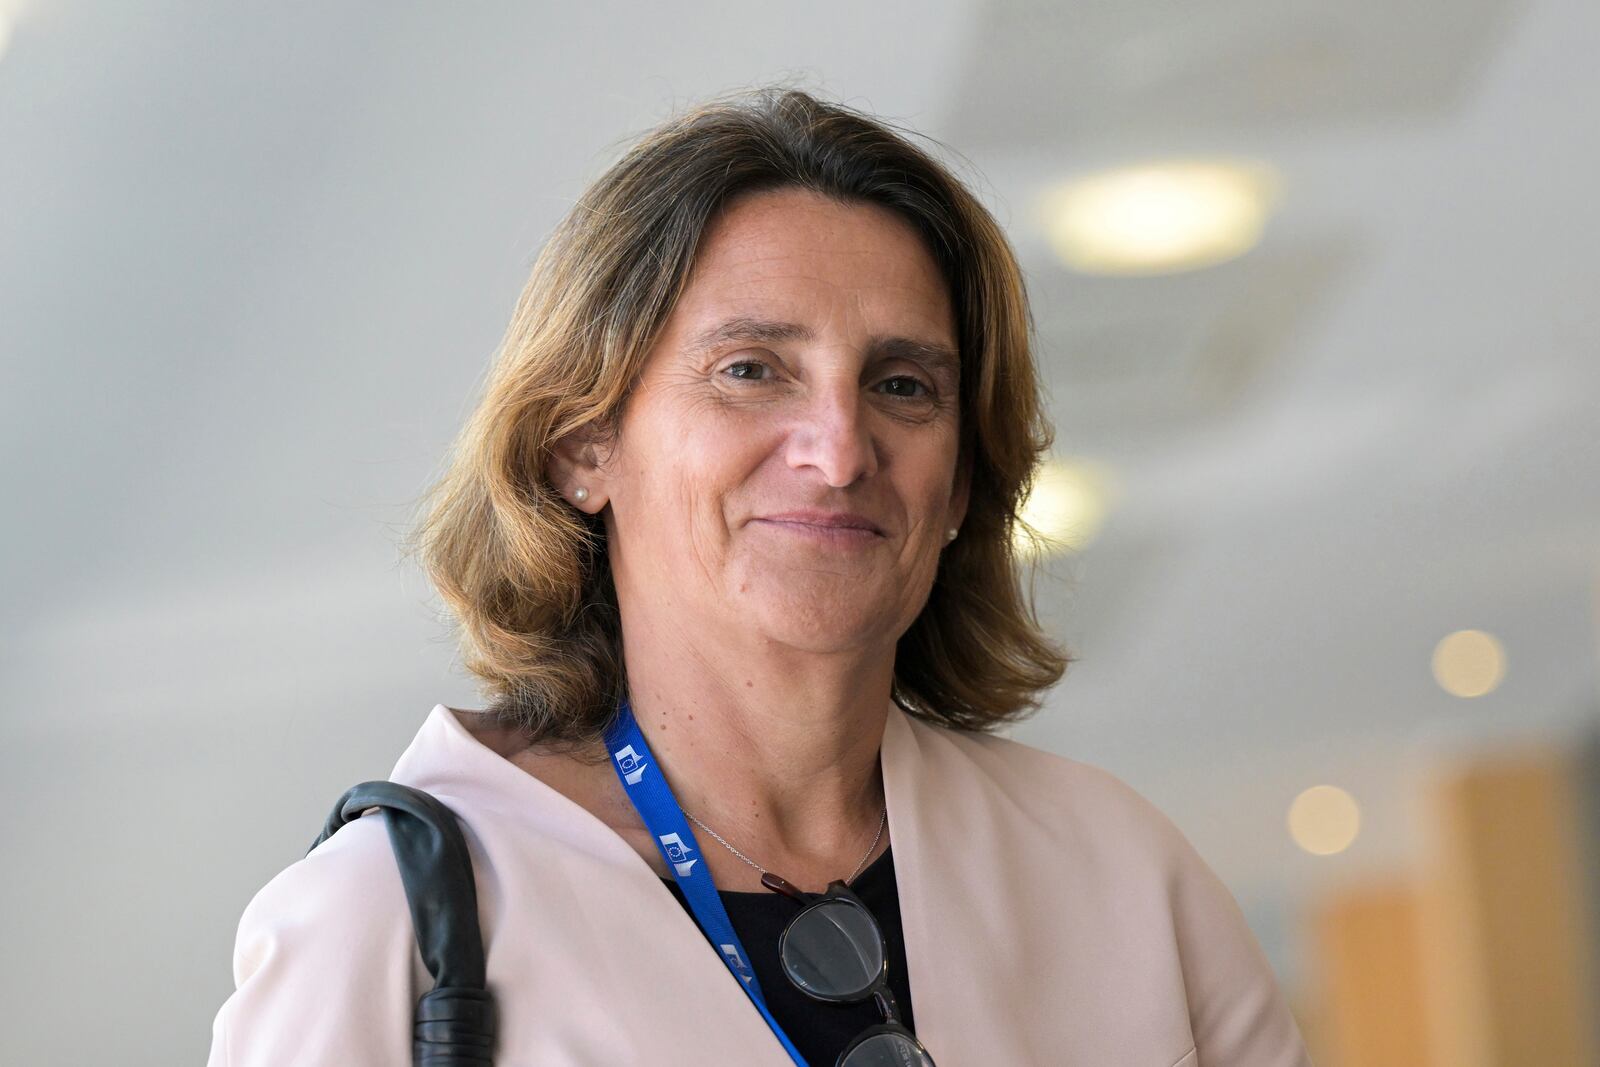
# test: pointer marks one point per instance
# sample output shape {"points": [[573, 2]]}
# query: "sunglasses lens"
{"points": [[886, 1050], [834, 950]]}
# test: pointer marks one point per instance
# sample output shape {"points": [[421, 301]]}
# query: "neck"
{"points": [[776, 750]]}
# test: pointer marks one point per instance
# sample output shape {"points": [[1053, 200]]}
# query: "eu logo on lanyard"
{"points": [[652, 797]]}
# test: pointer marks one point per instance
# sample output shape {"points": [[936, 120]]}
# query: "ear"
{"points": [[961, 494], [577, 462]]}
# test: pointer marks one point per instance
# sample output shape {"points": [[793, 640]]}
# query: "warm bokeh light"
{"points": [[1469, 663], [1066, 506], [12, 12], [1324, 820], [1160, 217]]}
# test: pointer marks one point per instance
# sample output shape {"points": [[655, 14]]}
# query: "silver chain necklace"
{"points": [[882, 822]]}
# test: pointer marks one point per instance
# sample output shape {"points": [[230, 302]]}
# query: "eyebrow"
{"points": [[932, 354]]}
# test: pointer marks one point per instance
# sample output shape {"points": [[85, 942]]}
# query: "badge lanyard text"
{"points": [[652, 797]]}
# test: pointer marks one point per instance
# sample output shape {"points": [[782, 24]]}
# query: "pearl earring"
{"points": [[580, 494], [950, 534]]}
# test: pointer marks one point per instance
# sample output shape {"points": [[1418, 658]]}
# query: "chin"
{"points": [[819, 624]]}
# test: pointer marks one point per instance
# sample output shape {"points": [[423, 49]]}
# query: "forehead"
{"points": [[797, 246]]}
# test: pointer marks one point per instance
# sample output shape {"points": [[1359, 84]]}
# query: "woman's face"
{"points": [[810, 366]]}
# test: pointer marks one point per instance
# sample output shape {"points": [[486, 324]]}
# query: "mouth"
{"points": [[824, 520], [821, 534]]}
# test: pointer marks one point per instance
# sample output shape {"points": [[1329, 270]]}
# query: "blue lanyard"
{"points": [[652, 797]]}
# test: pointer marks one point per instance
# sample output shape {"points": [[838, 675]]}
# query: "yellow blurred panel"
{"points": [[1370, 979], [1505, 934]]}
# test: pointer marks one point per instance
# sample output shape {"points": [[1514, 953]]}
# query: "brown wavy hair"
{"points": [[527, 577]]}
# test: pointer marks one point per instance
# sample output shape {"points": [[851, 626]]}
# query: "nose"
{"points": [[833, 435]]}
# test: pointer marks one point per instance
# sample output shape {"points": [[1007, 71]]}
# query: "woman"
{"points": [[734, 521]]}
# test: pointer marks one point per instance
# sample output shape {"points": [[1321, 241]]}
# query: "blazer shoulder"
{"points": [[349, 882], [1068, 792], [326, 967], [1238, 1013]]}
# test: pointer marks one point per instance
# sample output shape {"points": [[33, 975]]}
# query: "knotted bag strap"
{"points": [[454, 1025]]}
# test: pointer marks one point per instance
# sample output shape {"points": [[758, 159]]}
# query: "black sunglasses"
{"points": [[834, 950]]}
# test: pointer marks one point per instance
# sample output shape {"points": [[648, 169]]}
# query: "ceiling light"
{"points": [[1065, 508], [1159, 218]]}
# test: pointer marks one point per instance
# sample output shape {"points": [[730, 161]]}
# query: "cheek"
{"points": [[699, 470], [926, 475]]}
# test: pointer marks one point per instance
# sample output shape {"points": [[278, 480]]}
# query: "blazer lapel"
{"points": [[952, 859]]}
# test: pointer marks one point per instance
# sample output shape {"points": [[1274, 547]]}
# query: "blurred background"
{"points": [[1315, 283]]}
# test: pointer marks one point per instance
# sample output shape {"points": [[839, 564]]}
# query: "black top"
{"points": [[819, 1030]]}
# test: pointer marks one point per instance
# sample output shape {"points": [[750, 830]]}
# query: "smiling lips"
{"points": [[834, 529], [827, 520]]}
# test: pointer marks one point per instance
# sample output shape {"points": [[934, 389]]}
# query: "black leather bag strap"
{"points": [[454, 1025]]}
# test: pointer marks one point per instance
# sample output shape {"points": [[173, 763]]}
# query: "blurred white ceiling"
{"points": [[254, 261]]}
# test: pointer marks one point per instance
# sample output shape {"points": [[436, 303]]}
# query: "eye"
{"points": [[730, 368], [917, 383], [906, 389]]}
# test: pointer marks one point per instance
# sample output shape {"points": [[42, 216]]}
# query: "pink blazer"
{"points": [[1052, 916]]}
